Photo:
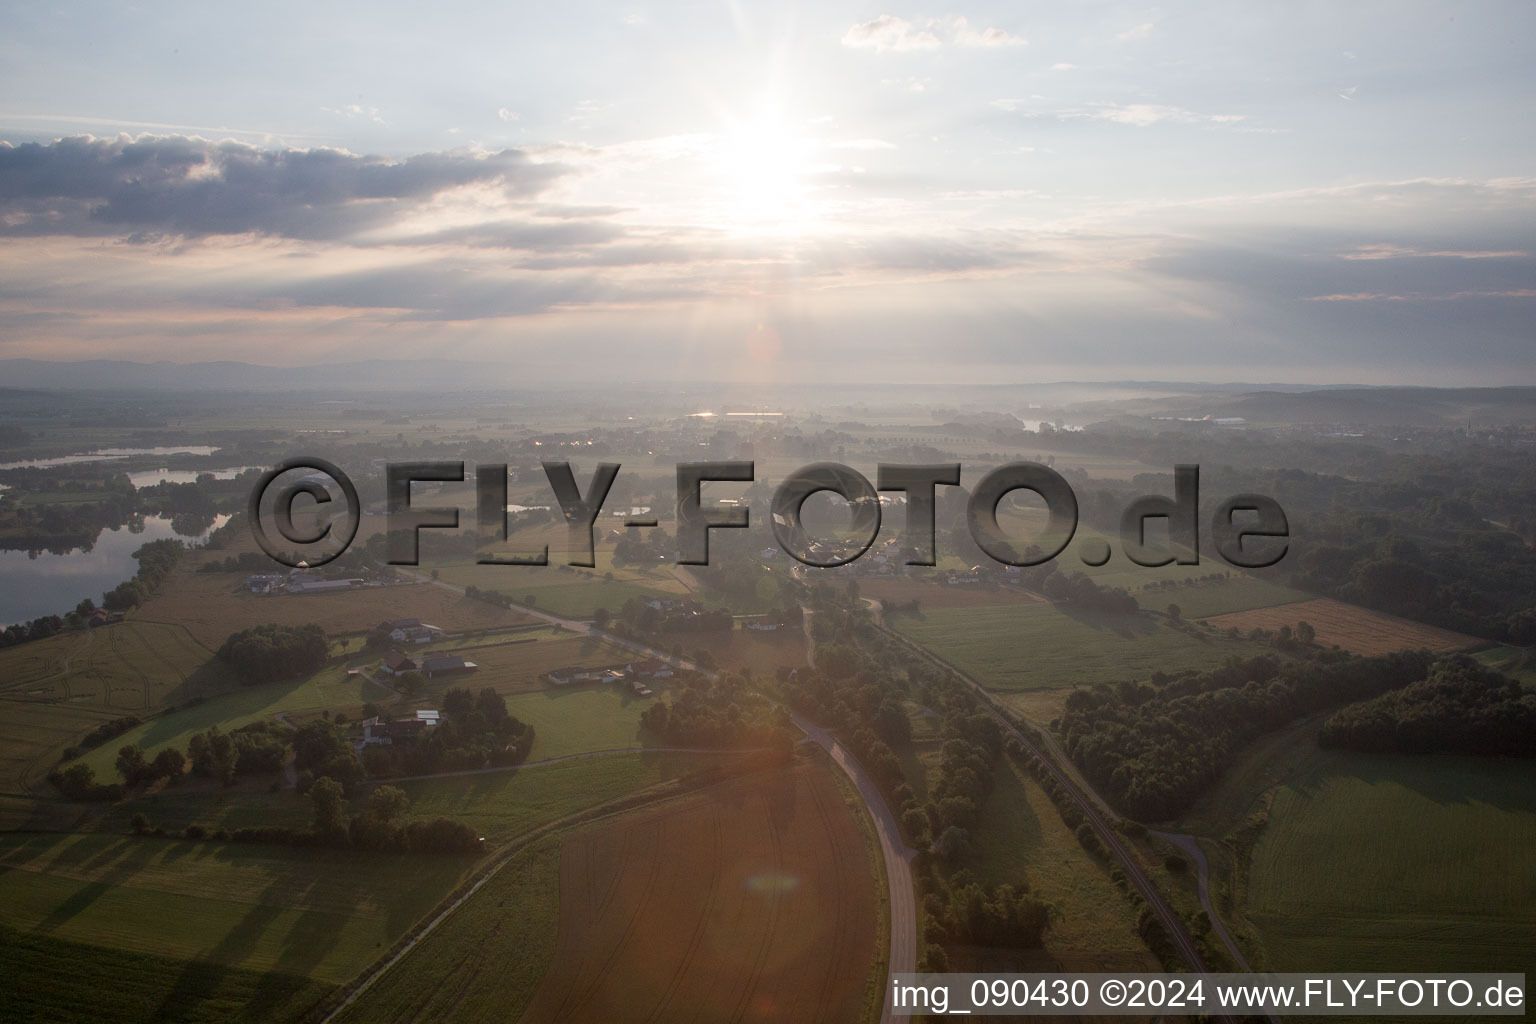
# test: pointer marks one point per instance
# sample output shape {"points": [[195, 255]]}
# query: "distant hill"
{"points": [[1408, 407], [368, 375]]}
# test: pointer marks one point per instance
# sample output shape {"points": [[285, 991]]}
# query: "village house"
{"points": [[378, 732], [263, 583], [650, 668]]}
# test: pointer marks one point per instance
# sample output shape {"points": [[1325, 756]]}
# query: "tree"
{"points": [[600, 617], [1175, 613], [326, 798], [1305, 633], [131, 764], [386, 803], [170, 763], [139, 823]]}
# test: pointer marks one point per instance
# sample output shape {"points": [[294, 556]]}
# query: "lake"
{"points": [[109, 453], [53, 584], [150, 477]]}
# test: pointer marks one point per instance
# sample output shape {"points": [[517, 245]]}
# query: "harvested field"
{"points": [[1351, 627], [754, 902], [212, 606]]}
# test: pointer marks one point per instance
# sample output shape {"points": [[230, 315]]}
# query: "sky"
{"points": [[1307, 192]]}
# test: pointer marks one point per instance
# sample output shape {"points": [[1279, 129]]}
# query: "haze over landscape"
{"points": [[702, 191], [701, 511]]}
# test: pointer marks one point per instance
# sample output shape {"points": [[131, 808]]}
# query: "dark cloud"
{"points": [[177, 186]]}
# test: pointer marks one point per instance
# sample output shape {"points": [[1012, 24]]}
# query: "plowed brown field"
{"points": [[1353, 628], [753, 903]]}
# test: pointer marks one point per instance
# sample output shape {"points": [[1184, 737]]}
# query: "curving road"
{"points": [[898, 856]]}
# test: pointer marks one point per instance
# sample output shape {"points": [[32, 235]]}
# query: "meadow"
{"points": [[73, 983], [1397, 864], [1045, 646], [317, 914]]}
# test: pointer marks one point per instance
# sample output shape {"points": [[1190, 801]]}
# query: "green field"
{"points": [[73, 983], [564, 590], [1044, 646], [312, 913], [484, 962], [1388, 863], [1516, 662], [583, 718]]}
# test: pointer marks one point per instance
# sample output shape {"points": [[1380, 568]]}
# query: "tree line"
{"points": [[1153, 749], [1461, 708]]}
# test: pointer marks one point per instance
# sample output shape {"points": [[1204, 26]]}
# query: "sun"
{"points": [[763, 169]]}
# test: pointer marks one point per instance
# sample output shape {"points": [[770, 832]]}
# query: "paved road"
{"points": [[897, 854], [898, 857]]}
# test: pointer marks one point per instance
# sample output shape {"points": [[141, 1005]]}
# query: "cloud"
{"points": [[1389, 251], [356, 112], [964, 35], [1143, 114], [1141, 31], [889, 32], [1470, 293], [1063, 66], [507, 115], [893, 34], [178, 186], [862, 144], [1139, 115]]}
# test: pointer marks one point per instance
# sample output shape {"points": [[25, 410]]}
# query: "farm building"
{"points": [[410, 631], [399, 663], [446, 664], [639, 689], [313, 586], [650, 668], [573, 674]]}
